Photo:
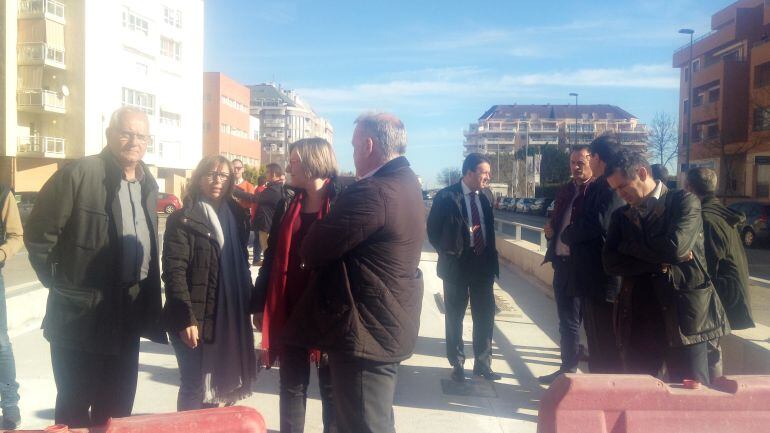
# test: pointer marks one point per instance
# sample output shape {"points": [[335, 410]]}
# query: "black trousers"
{"points": [[105, 384], [363, 393], [294, 373], [570, 315], [598, 321], [456, 295]]}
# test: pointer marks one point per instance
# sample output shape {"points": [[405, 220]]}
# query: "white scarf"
{"points": [[211, 214]]}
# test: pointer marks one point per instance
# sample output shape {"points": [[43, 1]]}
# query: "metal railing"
{"points": [[45, 100], [501, 225], [39, 53], [41, 7], [48, 146]]}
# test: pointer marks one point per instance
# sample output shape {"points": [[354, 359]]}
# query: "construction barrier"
{"points": [[234, 419], [605, 403]]}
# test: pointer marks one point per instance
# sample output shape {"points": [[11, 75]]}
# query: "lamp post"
{"points": [[576, 117], [688, 132]]}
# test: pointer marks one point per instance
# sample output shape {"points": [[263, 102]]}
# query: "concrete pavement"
{"points": [[426, 400]]}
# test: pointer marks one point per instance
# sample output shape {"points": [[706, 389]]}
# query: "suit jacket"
{"points": [[448, 233]]}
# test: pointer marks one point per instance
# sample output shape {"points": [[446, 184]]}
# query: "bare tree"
{"points": [[662, 138], [449, 176]]}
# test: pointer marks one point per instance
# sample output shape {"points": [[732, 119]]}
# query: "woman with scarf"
{"points": [[283, 280], [209, 290]]}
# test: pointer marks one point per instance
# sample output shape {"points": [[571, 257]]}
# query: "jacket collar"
{"points": [[392, 166], [114, 172]]}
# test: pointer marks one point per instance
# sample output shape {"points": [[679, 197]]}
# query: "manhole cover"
{"points": [[469, 388]]}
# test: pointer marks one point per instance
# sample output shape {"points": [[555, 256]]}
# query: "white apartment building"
{"points": [[284, 118], [74, 62]]}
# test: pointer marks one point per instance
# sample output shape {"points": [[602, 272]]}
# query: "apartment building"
{"points": [[69, 64], [284, 118], [507, 128], [228, 129], [730, 99]]}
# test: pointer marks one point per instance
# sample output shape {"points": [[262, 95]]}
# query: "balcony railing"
{"points": [[41, 100], [49, 147], [40, 53], [41, 8]]}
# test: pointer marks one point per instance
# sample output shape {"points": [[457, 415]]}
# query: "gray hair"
{"points": [[386, 131], [117, 115], [702, 181]]}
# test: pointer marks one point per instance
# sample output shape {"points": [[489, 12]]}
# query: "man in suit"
{"points": [[461, 228]]}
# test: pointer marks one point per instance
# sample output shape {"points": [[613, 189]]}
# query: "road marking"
{"points": [[760, 280]]}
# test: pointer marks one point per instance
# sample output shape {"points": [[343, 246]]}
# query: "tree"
{"points": [[662, 139], [449, 176], [554, 166]]}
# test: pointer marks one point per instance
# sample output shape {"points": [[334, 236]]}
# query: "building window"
{"points": [[762, 119], [696, 133], [696, 65], [170, 48], [135, 23], [712, 130], [686, 74], [140, 100], [141, 68], [714, 94], [170, 119], [172, 17], [762, 75], [230, 102]]}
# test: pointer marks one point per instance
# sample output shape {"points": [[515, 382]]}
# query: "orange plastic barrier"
{"points": [[235, 419], [599, 403]]}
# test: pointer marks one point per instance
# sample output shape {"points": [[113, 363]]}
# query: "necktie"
{"points": [[478, 236]]}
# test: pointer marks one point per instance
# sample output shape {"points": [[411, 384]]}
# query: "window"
{"points": [[135, 23], [141, 100], [714, 94], [170, 119], [686, 74], [712, 130], [762, 119], [698, 100], [696, 65], [696, 133], [230, 102], [170, 48], [141, 68], [172, 17], [762, 75]]}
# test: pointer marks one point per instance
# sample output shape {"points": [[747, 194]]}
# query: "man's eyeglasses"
{"points": [[237, 167], [126, 136], [223, 177]]}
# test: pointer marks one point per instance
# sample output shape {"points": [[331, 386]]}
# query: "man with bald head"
{"points": [[92, 240], [364, 306]]}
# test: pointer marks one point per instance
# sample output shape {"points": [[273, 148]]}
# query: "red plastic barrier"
{"points": [[234, 419], [599, 403]]}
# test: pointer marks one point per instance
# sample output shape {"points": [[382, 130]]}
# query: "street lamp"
{"points": [[688, 132], [576, 117]]}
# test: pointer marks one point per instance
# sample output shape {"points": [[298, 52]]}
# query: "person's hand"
{"points": [[548, 230], [257, 320], [689, 256], [189, 336]]}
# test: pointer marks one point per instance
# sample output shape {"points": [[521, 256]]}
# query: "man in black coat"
{"points": [[667, 307], [363, 306], [461, 227], [569, 204], [92, 240], [725, 256], [266, 202], [585, 237]]}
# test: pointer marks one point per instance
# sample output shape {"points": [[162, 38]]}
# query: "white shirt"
{"points": [[466, 192]]}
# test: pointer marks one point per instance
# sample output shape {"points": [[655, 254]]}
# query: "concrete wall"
{"points": [[743, 352]]}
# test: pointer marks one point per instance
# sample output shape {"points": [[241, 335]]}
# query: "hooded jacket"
{"points": [[726, 260]]}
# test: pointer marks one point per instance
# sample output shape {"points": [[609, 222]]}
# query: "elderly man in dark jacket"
{"points": [[725, 256], [667, 308], [461, 226], [364, 306], [92, 240], [585, 238]]}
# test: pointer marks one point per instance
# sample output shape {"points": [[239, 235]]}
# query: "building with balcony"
{"points": [[507, 128], [68, 64], [729, 105], [228, 129], [284, 118]]}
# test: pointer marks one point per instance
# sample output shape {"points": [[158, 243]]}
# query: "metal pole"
{"points": [[526, 164], [576, 120], [689, 108]]}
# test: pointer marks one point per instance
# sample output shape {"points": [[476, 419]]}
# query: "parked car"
{"points": [[426, 195], [523, 205], [540, 206], [168, 203], [756, 227], [506, 203], [550, 209], [26, 201]]}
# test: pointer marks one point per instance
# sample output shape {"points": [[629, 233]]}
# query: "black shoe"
{"points": [[11, 418], [488, 375], [549, 378], [458, 375]]}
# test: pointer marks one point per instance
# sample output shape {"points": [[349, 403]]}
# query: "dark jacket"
{"points": [[448, 233], [191, 268], [366, 292], [585, 237], [684, 295], [267, 201], [726, 260], [73, 238], [560, 208]]}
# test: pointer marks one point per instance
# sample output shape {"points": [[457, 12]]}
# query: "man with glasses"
{"points": [[248, 207], [92, 240]]}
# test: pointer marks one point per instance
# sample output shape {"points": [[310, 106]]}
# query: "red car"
{"points": [[168, 203]]}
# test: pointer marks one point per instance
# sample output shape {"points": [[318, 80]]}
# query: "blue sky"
{"points": [[440, 65]]}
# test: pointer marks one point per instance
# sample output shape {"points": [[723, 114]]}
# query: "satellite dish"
{"points": [[65, 91]]}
